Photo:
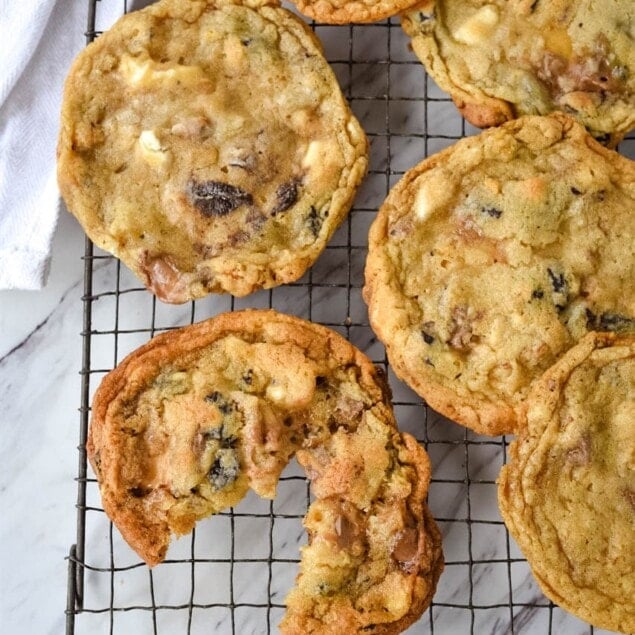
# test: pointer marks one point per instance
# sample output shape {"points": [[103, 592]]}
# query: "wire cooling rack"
{"points": [[231, 575]]}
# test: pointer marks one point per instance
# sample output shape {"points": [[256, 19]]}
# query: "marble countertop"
{"points": [[486, 586]]}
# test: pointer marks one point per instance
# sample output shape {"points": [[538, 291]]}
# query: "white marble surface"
{"points": [[40, 359]]}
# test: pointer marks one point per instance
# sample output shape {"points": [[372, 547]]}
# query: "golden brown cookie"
{"points": [[492, 258], [501, 59], [347, 11], [191, 421], [207, 144], [568, 492]]}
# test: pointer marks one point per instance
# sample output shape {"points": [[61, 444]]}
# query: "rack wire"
{"points": [[231, 575]]}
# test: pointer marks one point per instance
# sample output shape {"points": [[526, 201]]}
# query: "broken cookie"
{"points": [[190, 422]]}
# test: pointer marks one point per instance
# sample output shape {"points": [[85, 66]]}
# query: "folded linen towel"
{"points": [[38, 40]]}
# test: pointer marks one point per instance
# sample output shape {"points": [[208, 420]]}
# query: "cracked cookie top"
{"points": [[505, 58], [346, 11], [208, 145], [489, 260], [567, 493], [191, 421]]}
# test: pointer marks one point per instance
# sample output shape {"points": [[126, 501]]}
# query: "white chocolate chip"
{"points": [[432, 195], [134, 71], [151, 149], [478, 26], [313, 154], [275, 393], [143, 73]]}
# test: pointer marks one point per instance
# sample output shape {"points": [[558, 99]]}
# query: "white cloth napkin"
{"points": [[38, 40]]}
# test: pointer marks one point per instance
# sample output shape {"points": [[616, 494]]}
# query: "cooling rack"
{"points": [[231, 575]]}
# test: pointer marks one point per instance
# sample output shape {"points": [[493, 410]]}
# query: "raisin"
{"points": [[427, 338], [224, 470], [286, 196], [538, 294], [139, 492], [220, 402], [213, 198], [575, 191], [314, 221], [219, 434], [615, 322], [320, 381], [492, 211], [558, 282]]}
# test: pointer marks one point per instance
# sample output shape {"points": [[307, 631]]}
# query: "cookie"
{"points": [[345, 11], [191, 421], [208, 146], [491, 259], [567, 494], [506, 58]]}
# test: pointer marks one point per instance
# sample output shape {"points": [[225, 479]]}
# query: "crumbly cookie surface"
{"points": [[188, 423], [506, 58], [492, 258], [346, 11], [568, 492], [207, 145]]}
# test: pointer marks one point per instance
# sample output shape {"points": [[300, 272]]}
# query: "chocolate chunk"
{"points": [[558, 282], [427, 338], [213, 198], [492, 211], [224, 470], [406, 549], [347, 532], [575, 191], [286, 196], [538, 294], [320, 381]]}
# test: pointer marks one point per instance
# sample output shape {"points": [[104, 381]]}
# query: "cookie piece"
{"points": [[505, 58], [345, 11], [207, 144], [191, 421], [567, 494], [489, 260]]}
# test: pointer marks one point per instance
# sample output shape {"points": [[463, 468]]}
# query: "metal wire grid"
{"points": [[231, 575]]}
